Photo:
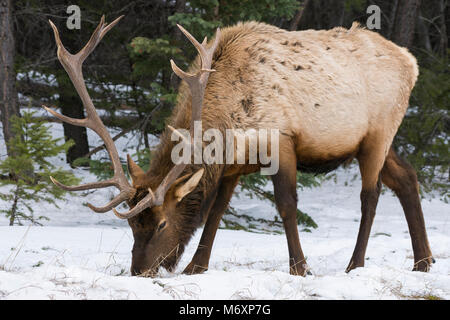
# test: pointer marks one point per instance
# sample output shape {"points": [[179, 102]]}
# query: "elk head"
{"points": [[152, 211]]}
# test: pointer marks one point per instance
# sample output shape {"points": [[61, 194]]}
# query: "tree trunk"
{"points": [[71, 106], [298, 16], [443, 44], [13, 212], [423, 34], [180, 7], [322, 14], [405, 22], [336, 11], [8, 93]]}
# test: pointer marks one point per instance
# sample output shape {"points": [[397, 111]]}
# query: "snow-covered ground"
{"points": [[82, 255]]}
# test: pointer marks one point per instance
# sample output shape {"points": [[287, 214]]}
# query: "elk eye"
{"points": [[161, 225]]}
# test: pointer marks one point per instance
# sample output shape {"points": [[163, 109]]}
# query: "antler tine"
{"points": [[72, 121], [173, 174], [73, 63], [200, 47], [87, 186], [146, 202], [205, 57], [121, 197], [97, 36], [154, 199], [179, 134], [57, 38], [197, 82]]}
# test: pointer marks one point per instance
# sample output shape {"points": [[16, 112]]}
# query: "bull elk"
{"points": [[334, 95]]}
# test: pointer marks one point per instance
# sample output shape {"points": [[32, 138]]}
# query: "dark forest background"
{"points": [[131, 70]]}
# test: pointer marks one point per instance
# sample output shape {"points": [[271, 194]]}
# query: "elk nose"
{"points": [[135, 271], [136, 268], [137, 261]]}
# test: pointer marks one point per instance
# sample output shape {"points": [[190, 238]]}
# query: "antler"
{"points": [[73, 66], [197, 84], [73, 63]]}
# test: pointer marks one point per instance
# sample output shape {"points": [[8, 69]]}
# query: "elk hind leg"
{"points": [[399, 175]]}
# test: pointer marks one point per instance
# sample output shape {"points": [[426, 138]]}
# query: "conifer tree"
{"points": [[27, 171]]}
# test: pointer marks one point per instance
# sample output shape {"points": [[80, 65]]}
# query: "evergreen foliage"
{"points": [[28, 170], [423, 137], [255, 185]]}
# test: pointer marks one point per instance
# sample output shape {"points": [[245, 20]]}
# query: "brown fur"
{"points": [[334, 95]]}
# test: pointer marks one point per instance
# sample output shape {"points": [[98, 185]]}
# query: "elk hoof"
{"points": [[423, 265], [353, 265], [300, 271], [194, 268]]}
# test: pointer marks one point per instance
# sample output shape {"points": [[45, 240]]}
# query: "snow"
{"points": [[82, 255]]}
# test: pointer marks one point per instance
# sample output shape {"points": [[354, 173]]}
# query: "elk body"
{"points": [[334, 95]]}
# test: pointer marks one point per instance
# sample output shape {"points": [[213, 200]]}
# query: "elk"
{"points": [[334, 95]]}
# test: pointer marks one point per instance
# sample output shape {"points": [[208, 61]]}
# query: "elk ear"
{"points": [[133, 168], [182, 190]]}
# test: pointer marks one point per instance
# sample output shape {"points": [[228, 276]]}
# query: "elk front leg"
{"points": [[200, 261], [371, 158], [399, 176], [285, 183]]}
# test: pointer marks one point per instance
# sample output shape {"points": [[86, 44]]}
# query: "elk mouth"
{"points": [[150, 273], [168, 262], [153, 272], [146, 272]]}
